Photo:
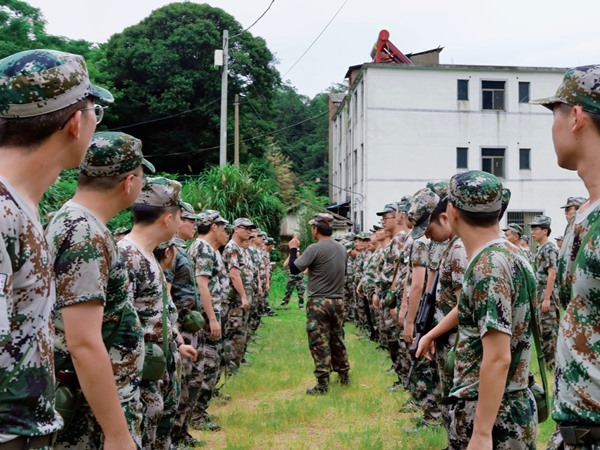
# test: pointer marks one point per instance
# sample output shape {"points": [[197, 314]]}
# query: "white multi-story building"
{"points": [[402, 125]]}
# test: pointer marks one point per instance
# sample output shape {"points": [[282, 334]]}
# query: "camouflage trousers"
{"points": [[161, 399], [515, 427], [294, 282], [254, 315], [211, 351], [390, 332], [349, 300], [442, 347], [425, 388], [191, 381], [549, 323], [84, 432], [236, 335], [325, 329]]}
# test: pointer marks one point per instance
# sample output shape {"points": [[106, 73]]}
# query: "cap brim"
{"points": [[101, 94], [548, 102], [418, 232], [148, 165]]}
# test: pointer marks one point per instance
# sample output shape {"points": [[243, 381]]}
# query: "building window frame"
{"points": [[462, 158], [493, 95], [524, 91], [462, 90], [493, 160], [524, 159]]}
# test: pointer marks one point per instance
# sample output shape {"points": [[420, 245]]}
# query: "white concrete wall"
{"points": [[410, 123]]}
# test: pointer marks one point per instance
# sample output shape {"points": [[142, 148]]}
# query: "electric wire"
{"points": [[256, 21]]}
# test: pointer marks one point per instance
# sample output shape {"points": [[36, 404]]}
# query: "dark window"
{"points": [[492, 161], [525, 158], [492, 94], [462, 90], [461, 158], [523, 92]]}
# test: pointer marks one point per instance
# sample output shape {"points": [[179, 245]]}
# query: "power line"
{"points": [[256, 21], [245, 140], [316, 39]]}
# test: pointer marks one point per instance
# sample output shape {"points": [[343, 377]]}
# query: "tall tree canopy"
{"points": [[164, 67]]}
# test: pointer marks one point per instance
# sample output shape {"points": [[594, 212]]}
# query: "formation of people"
{"points": [[120, 345], [110, 341]]}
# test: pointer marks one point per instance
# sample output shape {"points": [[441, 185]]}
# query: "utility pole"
{"points": [[223, 132], [236, 132]]}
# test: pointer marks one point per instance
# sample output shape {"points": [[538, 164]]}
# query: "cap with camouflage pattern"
{"points": [[211, 216], [515, 227], [269, 241], [541, 221], [363, 236], [349, 236], [160, 191], [376, 228], [506, 195], [187, 212], [322, 219], [525, 238], [349, 245], [404, 203], [580, 86], [243, 222], [37, 82], [559, 238], [574, 201], [475, 191], [113, 153], [166, 244], [389, 208], [440, 188], [422, 204], [121, 230]]}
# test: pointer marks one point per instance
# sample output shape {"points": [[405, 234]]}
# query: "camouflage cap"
{"points": [[541, 221], [514, 227], [363, 236], [389, 208], [269, 241], [559, 238], [243, 222], [506, 195], [525, 238], [404, 204], [322, 219], [376, 228], [211, 216], [121, 230], [422, 204], [36, 82], [580, 86], [262, 234], [349, 245], [160, 191], [187, 212], [574, 201], [349, 236], [113, 153], [475, 191], [439, 187], [166, 244]]}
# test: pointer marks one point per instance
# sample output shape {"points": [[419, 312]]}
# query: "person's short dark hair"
{"points": [[479, 219], [203, 228], [440, 208], [159, 253], [148, 214], [101, 184], [323, 230], [31, 132]]}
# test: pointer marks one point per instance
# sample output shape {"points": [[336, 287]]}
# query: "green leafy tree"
{"points": [[164, 67]]}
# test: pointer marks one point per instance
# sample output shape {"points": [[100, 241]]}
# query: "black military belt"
{"points": [[577, 435], [27, 442], [325, 298]]}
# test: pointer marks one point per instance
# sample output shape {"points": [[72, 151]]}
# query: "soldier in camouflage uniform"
{"points": [[495, 324], [367, 283], [234, 257], [545, 265], [253, 287], [576, 136], [362, 244], [156, 219], [186, 298], [294, 282], [95, 311], [213, 285], [424, 385], [326, 263], [572, 206], [47, 115]]}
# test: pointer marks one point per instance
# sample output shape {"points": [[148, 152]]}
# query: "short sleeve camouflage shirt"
{"points": [[577, 383], [452, 269], [546, 258], [495, 295], [208, 263], [26, 303], [183, 286], [89, 267]]}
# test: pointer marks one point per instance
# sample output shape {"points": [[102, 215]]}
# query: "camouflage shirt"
{"points": [[391, 255], [252, 269], [452, 269], [146, 283], [371, 271], [546, 258], [234, 257], [208, 263], [494, 296], [418, 256], [26, 330], [183, 284], [577, 382], [90, 268], [402, 267], [436, 249]]}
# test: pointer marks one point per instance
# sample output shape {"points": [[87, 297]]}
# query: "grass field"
{"points": [[270, 410]]}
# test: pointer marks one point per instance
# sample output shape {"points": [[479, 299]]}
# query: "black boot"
{"points": [[344, 378], [321, 387]]}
